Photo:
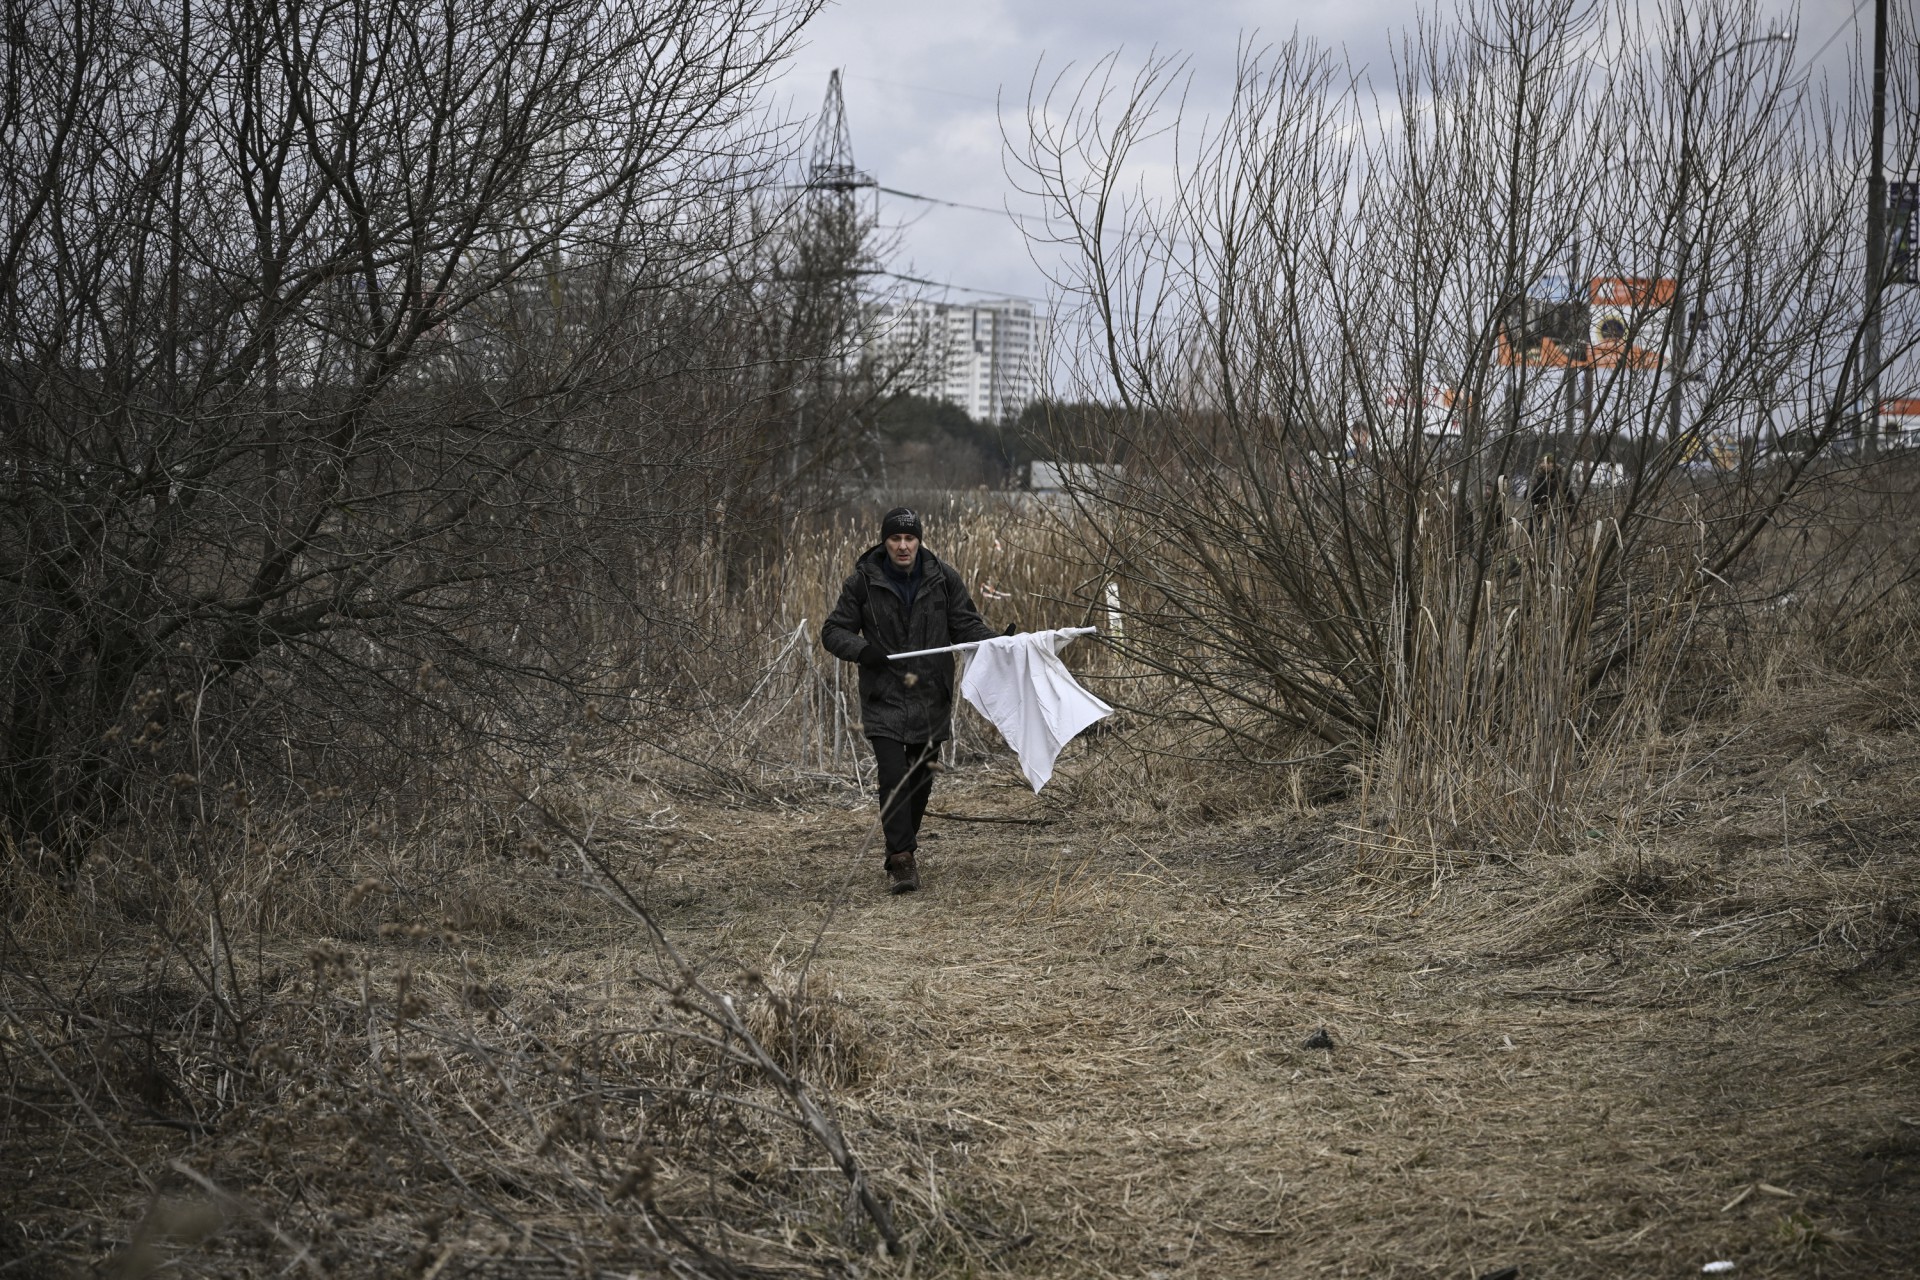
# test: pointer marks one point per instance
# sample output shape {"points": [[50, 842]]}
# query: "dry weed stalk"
{"points": [[690, 994], [1317, 365], [1493, 732], [528, 1104]]}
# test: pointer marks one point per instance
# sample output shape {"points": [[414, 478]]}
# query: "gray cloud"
{"points": [[923, 77]]}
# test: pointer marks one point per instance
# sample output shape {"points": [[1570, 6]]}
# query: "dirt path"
{"points": [[1095, 1045], [1082, 1050]]}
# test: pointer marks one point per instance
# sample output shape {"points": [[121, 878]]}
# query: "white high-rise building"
{"points": [[989, 358]]}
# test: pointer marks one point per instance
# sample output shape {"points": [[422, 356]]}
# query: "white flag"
{"points": [[1020, 684]]}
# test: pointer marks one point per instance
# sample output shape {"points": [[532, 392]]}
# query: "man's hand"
{"points": [[873, 657]]}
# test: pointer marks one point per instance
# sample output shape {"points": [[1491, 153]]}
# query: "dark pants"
{"points": [[905, 784]]}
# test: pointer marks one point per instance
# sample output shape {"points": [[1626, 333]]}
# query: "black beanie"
{"points": [[900, 520]]}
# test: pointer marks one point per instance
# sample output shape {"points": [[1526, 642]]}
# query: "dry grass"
{"points": [[1571, 1068], [1675, 1022], [1081, 1051]]}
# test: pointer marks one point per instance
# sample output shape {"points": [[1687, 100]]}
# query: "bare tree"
{"points": [[816, 329], [358, 363], [1345, 327], [808, 337]]}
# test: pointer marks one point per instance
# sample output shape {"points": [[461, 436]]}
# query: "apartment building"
{"points": [[988, 358]]}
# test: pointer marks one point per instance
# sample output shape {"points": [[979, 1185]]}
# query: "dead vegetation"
{"points": [[435, 844], [648, 1012], [1680, 1035]]}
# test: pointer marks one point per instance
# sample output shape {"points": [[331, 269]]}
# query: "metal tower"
{"points": [[832, 166]]}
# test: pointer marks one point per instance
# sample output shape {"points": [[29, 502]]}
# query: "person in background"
{"points": [[901, 597], [1547, 495]]}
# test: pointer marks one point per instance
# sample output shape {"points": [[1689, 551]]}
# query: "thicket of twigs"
{"points": [[320, 991], [1313, 281], [383, 571], [374, 380]]}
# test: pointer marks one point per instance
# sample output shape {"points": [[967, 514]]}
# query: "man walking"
{"points": [[901, 597]]}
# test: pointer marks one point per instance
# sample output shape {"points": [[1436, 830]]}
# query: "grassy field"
{"points": [[1170, 1017], [1083, 1050]]}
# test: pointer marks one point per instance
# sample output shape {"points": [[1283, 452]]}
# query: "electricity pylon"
{"points": [[827, 247], [832, 168]]}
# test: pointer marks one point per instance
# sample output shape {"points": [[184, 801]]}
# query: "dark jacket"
{"points": [[891, 706], [1547, 491]]}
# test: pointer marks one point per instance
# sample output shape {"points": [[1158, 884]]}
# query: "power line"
{"points": [[955, 204], [911, 195], [1851, 20], [921, 88], [854, 273], [963, 288]]}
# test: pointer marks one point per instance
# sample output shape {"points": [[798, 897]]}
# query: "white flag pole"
{"points": [[975, 644]]}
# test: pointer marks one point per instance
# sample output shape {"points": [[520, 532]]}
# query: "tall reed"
{"points": [[1496, 726]]}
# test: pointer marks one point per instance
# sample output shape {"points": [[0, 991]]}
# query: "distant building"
{"points": [[989, 358], [1900, 422]]}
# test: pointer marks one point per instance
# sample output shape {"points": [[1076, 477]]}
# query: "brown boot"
{"points": [[903, 876]]}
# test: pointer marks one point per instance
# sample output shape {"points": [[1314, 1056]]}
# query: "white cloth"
{"points": [[1020, 684]]}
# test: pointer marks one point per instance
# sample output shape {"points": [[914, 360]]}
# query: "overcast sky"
{"points": [[921, 78]]}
